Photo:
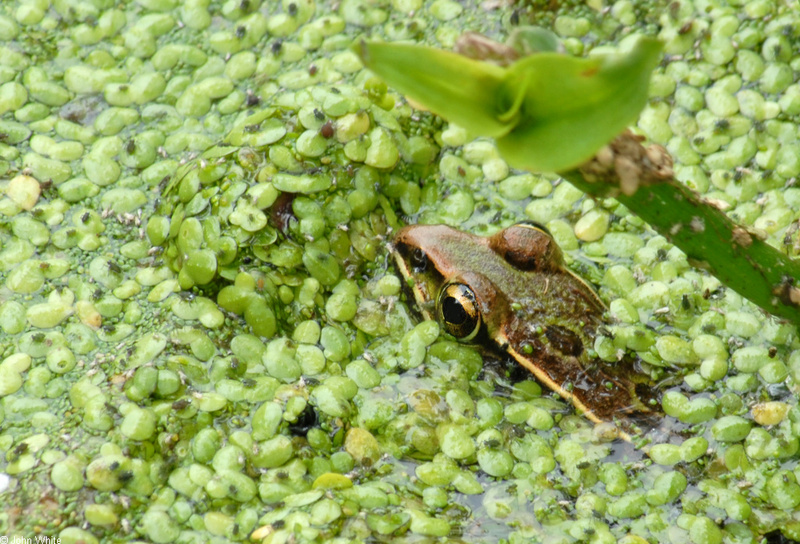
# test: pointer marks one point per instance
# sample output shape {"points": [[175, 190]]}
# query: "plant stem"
{"points": [[710, 239]]}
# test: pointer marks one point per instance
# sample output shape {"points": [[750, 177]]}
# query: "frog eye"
{"points": [[458, 311], [419, 260]]}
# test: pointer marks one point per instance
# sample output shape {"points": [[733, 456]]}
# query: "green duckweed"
{"points": [[198, 204]]}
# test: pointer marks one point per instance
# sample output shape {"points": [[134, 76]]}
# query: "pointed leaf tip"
{"points": [[460, 89]]}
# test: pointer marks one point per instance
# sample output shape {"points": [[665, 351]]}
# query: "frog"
{"points": [[512, 292]]}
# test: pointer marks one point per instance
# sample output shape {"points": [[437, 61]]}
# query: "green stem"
{"points": [[710, 239]]}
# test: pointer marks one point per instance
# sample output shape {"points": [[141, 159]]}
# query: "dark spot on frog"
{"points": [[563, 339]]}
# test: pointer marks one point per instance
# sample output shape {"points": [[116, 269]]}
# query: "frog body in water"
{"points": [[512, 291]]}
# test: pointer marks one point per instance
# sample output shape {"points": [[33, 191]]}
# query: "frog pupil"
{"points": [[453, 312], [458, 312]]}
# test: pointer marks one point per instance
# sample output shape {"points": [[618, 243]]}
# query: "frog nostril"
{"points": [[419, 260]]}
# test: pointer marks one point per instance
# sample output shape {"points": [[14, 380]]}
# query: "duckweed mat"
{"points": [[202, 340]]}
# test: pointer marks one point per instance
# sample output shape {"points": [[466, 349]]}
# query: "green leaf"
{"points": [[570, 107], [548, 111], [460, 89]]}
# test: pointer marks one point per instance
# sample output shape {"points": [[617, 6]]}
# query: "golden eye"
{"points": [[458, 311]]}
